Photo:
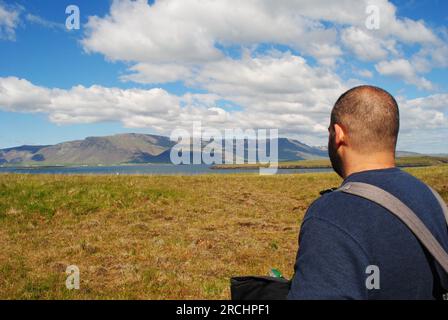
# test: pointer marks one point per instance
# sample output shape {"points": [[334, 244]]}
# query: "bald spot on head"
{"points": [[370, 117]]}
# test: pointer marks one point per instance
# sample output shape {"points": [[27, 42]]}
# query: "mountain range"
{"points": [[136, 148], [129, 148]]}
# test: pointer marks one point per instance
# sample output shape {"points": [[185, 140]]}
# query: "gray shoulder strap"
{"points": [[402, 211], [441, 202]]}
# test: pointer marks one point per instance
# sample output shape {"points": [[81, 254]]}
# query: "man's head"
{"points": [[364, 124]]}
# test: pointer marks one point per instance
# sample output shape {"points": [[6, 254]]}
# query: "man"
{"points": [[345, 239]]}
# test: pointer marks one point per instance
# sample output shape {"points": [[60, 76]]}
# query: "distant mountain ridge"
{"points": [[134, 148], [121, 148], [127, 148]]}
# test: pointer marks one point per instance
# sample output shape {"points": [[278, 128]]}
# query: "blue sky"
{"points": [[152, 67]]}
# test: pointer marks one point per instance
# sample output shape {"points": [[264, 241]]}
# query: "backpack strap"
{"points": [[404, 213], [441, 202]]}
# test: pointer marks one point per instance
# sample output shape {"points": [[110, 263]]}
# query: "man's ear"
{"points": [[339, 135]]}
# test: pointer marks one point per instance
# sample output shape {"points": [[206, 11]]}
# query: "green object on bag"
{"points": [[275, 273]]}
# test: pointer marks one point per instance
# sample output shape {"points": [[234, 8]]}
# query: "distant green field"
{"points": [[421, 161], [153, 237]]}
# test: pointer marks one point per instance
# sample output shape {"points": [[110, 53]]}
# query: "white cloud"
{"points": [[266, 88], [424, 123], [85, 105], [171, 40], [429, 57], [272, 83], [9, 20], [157, 73], [35, 19], [21, 95], [437, 102], [156, 108], [364, 45], [364, 73], [304, 115], [353, 13], [139, 32], [402, 68], [179, 30]]}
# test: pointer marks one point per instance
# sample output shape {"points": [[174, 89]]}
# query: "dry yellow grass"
{"points": [[153, 237]]}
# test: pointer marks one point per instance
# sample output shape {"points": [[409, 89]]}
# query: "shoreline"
{"points": [[286, 167], [315, 164]]}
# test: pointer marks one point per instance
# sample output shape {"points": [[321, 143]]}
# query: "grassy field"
{"points": [[153, 237]]}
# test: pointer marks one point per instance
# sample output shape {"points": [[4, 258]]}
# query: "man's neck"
{"points": [[357, 162]]}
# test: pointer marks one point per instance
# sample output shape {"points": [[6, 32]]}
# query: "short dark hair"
{"points": [[371, 117]]}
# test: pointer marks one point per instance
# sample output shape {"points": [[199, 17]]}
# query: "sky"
{"points": [[154, 66]]}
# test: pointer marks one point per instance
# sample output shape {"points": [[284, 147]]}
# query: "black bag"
{"points": [[259, 288]]}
